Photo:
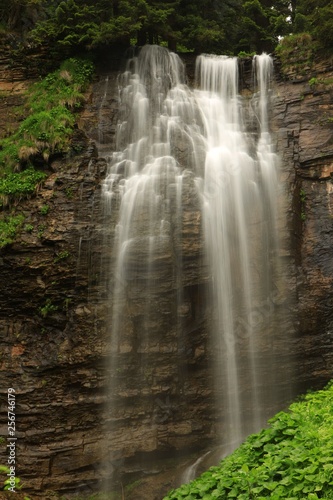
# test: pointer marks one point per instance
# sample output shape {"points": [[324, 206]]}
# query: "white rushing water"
{"points": [[235, 170], [239, 193]]}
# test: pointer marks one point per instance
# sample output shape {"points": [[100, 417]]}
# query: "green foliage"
{"points": [[8, 228], [62, 256], [62, 88], [246, 54], [320, 81], [46, 130], [317, 17], [48, 308], [261, 24], [296, 52], [66, 303], [69, 192], [203, 34], [313, 81], [131, 487], [292, 459], [18, 485], [69, 27], [19, 184], [44, 210], [29, 228], [7, 484], [41, 229]]}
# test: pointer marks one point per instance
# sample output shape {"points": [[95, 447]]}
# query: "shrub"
{"points": [[8, 228], [291, 459], [18, 185], [47, 308], [44, 210], [296, 52], [46, 130]]}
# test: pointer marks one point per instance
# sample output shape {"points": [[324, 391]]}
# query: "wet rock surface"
{"points": [[304, 130], [51, 340]]}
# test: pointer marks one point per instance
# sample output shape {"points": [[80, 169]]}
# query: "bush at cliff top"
{"points": [[291, 459]]}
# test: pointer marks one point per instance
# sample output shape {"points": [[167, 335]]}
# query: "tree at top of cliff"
{"points": [[317, 16], [211, 26], [230, 26]]}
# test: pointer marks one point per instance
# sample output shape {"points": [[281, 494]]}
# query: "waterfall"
{"points": [[179, 148], [239, 192]]}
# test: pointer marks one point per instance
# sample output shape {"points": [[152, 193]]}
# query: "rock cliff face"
{"points": [[304, 128], [51, 341], [55, 309]]}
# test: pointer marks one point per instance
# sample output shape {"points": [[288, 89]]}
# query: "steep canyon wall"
{"points": [[55, 309]]}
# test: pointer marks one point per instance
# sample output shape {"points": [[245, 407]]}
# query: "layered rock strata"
{"points": [[55, 307]]}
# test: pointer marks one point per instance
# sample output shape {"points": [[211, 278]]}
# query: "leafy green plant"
{"points": [[61, 256], [48, 308], [296, 53], [69, 192], [29, 228], [131, 487], [67, 302], [63, 87], [292, 459], [313, 81], [8, 482], [246, 54], [302, 195], [323, 81], [41, 229], [44, 209], [46, 130], [8, 228], [16, 185]]}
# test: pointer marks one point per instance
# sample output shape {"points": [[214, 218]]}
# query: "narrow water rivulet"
{"points": [[194, 172]]}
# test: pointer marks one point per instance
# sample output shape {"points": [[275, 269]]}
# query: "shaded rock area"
{"points": [[51, 341], [303, 121], [20, 62], [55, 310]]}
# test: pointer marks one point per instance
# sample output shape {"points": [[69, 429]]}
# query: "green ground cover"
{"points": [[291, 459]]}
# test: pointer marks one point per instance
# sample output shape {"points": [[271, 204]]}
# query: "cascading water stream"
{"points": [[170, 138], [239, 193]]}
